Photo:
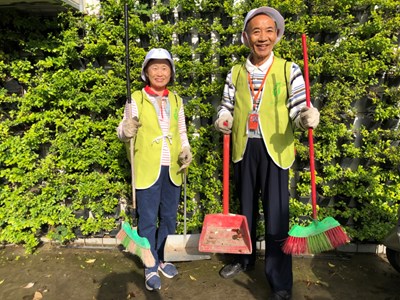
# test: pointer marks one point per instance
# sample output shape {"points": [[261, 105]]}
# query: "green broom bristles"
{"points": [[317, 237], [135, 244], [319, 243]]}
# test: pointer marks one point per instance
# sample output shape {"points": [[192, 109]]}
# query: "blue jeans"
{"points": [[157, 209]]}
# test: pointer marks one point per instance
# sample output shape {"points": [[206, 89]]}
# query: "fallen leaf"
{"points": [[29, 285], [331, 265], [191, 277], [1, 281], [37, 296], [90, 261]]}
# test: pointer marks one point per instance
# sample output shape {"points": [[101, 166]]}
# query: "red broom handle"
{"points": [[310, 130], [225, 174]]}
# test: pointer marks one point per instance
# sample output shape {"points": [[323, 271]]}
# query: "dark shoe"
{"points": [[281, 295], [233, 269]]}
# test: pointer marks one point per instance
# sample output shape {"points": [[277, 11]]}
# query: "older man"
{"points": [[263, 101]]}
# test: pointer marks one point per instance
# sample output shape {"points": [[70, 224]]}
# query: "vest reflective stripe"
{"points": [[275, 123], [148, 144]]}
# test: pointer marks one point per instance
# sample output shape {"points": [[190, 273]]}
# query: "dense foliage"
{"points": [[63, 172]]}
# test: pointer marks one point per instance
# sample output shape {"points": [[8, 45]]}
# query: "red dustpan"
{"points": [[225, 233]]}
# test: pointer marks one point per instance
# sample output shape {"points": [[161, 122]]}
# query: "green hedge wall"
{"points": [[64, 173]]}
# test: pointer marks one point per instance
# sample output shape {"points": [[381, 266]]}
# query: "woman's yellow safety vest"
{"points": [[149, 141]]}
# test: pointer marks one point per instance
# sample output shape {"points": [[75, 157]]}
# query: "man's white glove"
{"points": [[130, 127], [224, 123], [309, 117], [185, 158]]}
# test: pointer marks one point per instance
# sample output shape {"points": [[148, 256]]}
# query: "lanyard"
{"points": [[255, 97]]}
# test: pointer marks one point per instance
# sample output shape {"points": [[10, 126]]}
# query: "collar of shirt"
{"points": [[263, 68], [155, 99], [160, 103]]}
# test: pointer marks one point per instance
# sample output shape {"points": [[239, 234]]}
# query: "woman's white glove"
{"points": [[185, 158], [130, 127]]}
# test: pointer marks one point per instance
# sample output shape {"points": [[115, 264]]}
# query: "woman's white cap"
{"points": [[158, 53], [269, 11]]}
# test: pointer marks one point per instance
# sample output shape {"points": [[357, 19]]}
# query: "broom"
{"points": [[322, 235], [128, 235]]}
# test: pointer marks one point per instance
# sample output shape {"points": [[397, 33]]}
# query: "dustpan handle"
{"points": [[310, 130], [184, 201], [225, 174]]}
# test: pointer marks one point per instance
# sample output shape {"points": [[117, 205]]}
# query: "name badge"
{"points": [[253, 121]]}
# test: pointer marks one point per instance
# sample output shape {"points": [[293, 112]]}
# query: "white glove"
{"points": [[130, 127], [224, 123], [309, 117], [185, 158]]}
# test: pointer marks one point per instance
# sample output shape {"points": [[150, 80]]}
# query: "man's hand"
{"points": [[309, 117], [185, 158], [130, 127], [224, 123]]}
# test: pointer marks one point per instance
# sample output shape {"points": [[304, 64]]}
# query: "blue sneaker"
{"points": [[168, 270], [152, 280]]}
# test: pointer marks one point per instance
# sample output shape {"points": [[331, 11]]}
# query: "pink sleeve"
{"points": [[182, 128]]}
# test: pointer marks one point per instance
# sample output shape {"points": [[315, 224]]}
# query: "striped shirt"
{"points": [[162, 108], [296, 88]]}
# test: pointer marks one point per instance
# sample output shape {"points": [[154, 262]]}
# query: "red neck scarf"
{"points": [[151, 92]]}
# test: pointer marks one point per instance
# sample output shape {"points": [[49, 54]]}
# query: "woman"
{"points": [[162, 151]]}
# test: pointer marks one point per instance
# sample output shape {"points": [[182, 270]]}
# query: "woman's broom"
{"points": [[322, 235], [128, 235]]}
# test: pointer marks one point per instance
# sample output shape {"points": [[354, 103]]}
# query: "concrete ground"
{"points": [[59, 273]]}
